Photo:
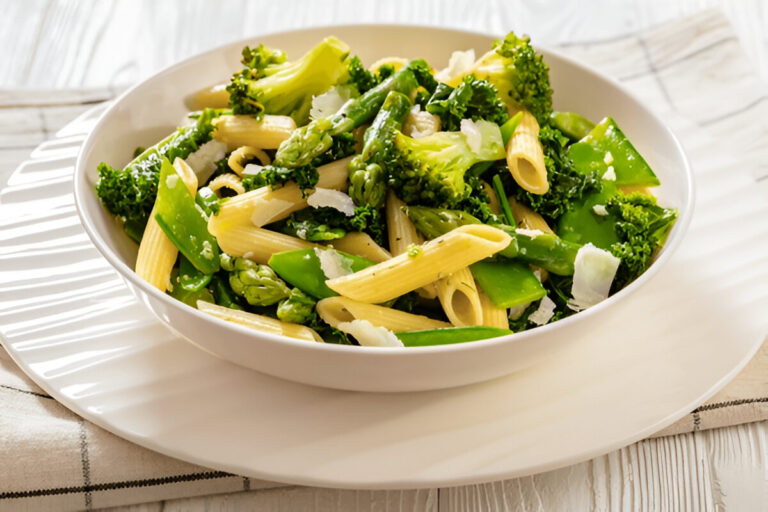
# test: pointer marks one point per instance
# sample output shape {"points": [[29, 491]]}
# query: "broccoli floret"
{"points": [[257, 284], [261, 60], [520, 75], [643, 227], [326, 224], [431, 170], [298, 308], [472, 99], [289, 90], [130, 193], [566, 185]]}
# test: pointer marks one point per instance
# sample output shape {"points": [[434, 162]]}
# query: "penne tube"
{"points": [[258, 244], [245, 154], [242, 130], [260, 322], [361, 244], [459, 298], [527, 218], [228, 180], [262, 206], [525, 156], [215, 96], [395, 62], [337, 310], [157, 254], [402, 234], [434, 260], [493, 316]]}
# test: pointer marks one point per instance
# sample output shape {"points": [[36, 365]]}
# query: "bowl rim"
{"points": [[685, 213]]}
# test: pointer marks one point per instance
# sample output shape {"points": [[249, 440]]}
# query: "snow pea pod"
{"points": [[507, 283], [184, 222], [605, 148], [301, 268], [573, 125], [190, 278], [449, 336]]}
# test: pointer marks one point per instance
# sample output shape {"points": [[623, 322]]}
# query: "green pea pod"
{"points": [[449, 335], [607, 146], [574, 126], [507, 283], [508, 128], [190, 278], [222, 292], [581, 224], [188, 297], [184, 222], [548, 251], [301, 268], [207, 200]]}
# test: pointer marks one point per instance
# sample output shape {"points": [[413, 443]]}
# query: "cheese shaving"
{"points": [[610, 174], [459, 64], [369, 335], [593, 273], [336, 199], [544, 313], [332, 263]]}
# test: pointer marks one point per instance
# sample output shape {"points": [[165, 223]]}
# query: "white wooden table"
{"points": [[109, 44]]}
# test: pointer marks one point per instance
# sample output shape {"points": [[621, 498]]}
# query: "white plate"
{"points": [[71, 324]]}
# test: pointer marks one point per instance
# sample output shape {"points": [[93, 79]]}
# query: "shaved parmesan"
{"points": [[203, 161], [544, 313], [252, 169], [593, 273], [600, 210], [332, 263], [608, 158], [530, 233], [473, 135], [610, 174], [369, 335], [328, 103], [459, 64], [325, 197]]}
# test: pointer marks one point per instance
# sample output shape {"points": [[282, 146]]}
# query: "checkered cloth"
{"points": [[50, 459]]}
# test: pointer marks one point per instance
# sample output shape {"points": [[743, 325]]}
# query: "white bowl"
{"points": [[153, 108]]}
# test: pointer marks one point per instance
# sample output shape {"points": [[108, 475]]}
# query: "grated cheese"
{"points": [[610, 174], [600, 210]]}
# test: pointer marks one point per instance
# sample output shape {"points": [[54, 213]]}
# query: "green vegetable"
{"points": [[290, 88], [566, 184], [314, 139], [573, 125], [414, 251], [507, 283], [472, 99], [582, 225], [207, 200], [190, 298], [449, 335], [508, 128], [185, 223], [519, 74], [190, 278], [503, 201], [367, 179], [301, 268], [222, 291], [430, 170], [326, 224], [298, 308], [607, 146], [257, 284], [130, 193], [262, 61], [361, 78]]}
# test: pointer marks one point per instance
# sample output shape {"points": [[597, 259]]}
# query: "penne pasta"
{"points": [[435, 259], [260, 322], [245, 154], [157, 254], [395, 62], [402, 234], [525, 156], [215, 96], [228, 180], [459, 298], [242, 130], [527, 218], [361, 244], [493, 316], [337, 310], [257, 244], [262, 206]]}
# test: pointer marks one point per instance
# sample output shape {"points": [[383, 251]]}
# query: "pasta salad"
{"points": [[388, 205]]}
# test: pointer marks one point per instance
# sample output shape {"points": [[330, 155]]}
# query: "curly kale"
{"points": [[472, 99], [360, 77], [642, 226], [326, 224], [478, 204], [566, 185]]}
